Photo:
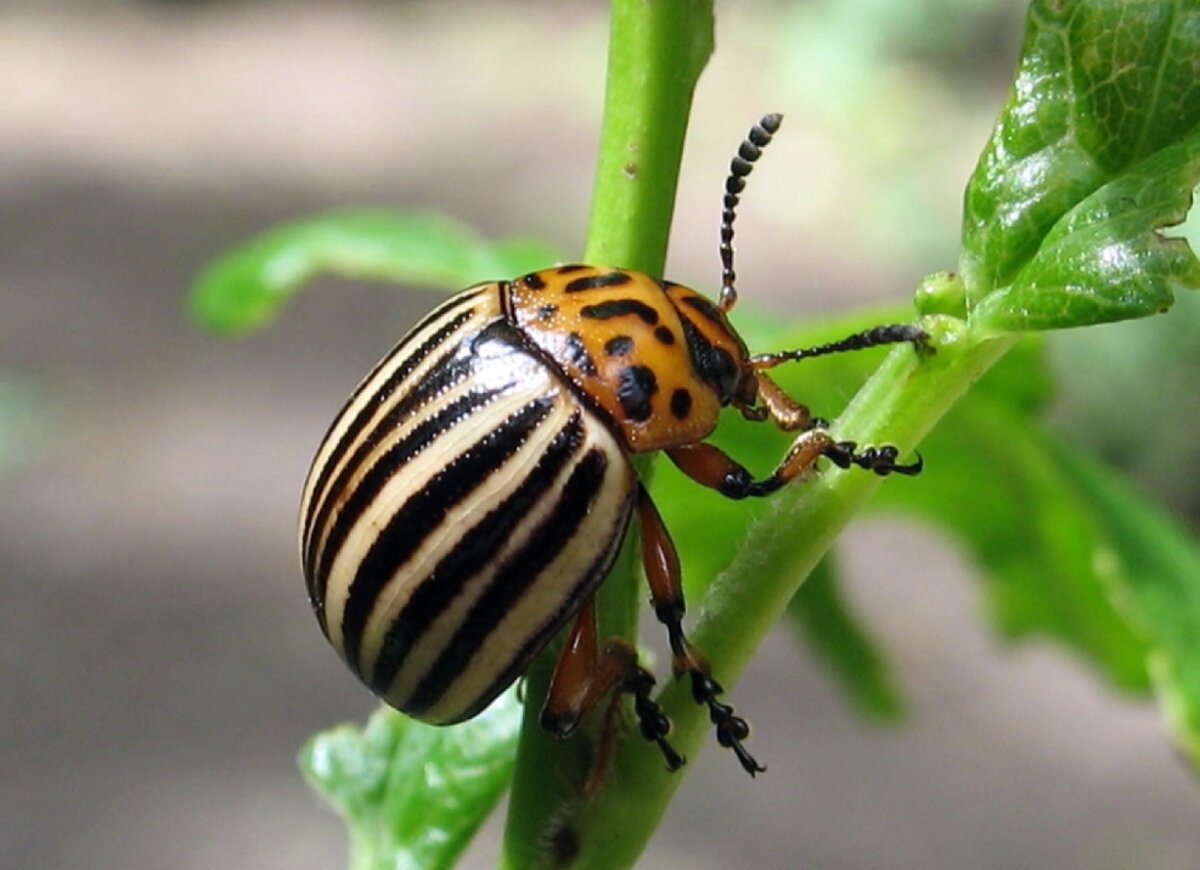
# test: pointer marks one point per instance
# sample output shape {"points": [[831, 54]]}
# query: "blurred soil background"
{"points": [[159, 665]]}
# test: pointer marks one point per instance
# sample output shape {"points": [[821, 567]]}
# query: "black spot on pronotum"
{"points": [[681, 403], [620, 308], [618, 345], [577, 354], [534, 281], [635, 386], [598, 282], [664, 335]]}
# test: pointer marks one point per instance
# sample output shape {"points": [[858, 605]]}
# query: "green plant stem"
{"points": [[656, 53], [899, 404]]}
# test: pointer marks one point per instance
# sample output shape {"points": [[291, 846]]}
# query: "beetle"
{"points": [[474, 491]]}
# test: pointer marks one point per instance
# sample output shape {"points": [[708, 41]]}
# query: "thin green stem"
{"points": [[655, 56], [656, 53]]}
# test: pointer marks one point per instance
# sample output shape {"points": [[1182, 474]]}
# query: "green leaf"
{"points": [[1105, 260], [1152, 565], [821, 616], [1096, 150], [247, 286], [413, 795]]}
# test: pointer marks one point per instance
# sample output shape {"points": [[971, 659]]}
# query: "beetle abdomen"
{"points": [[462, 507]]}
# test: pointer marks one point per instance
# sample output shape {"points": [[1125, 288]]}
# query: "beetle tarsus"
{"points": [[881, 460], [731, 728], [652, 722]]}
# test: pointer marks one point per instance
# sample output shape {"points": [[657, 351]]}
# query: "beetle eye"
{"points": [[747, 390]]}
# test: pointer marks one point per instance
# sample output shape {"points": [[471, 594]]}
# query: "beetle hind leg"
{"points": [[587, 674], [662, 570]]}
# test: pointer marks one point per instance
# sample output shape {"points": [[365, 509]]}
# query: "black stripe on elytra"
{"points": [[400, 453], [635, 387], [354, 430], [570, 268], [520, 572], [705, 308], [577, 354], [598, 282], [425, 510], [475, 549], [449, 370], [586, 587], [620, 308]]}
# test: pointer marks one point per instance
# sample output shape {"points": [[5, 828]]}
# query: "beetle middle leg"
{"points": [[587, 674], [661, 563]]}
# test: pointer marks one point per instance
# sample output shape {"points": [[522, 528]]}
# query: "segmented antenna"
{"points": [[741, 165]]}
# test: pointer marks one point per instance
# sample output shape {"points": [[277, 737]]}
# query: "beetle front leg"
{"points": [[712, 467], [784, 411], [585, 675], [661, 563]]}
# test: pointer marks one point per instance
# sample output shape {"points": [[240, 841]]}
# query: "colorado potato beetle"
{"points": [[473, 493]]}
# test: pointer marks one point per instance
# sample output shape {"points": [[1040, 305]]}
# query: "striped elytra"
{"points": [[461, 508], [474, 491]]}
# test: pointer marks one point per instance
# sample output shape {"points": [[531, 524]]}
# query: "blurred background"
{"points": [[159, 665]]}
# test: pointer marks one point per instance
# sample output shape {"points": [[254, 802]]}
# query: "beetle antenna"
{"points": [[893, 333], [741, 165]]}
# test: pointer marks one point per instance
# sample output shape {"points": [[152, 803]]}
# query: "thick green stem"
{"points": [[901, 402], [656, 53]]}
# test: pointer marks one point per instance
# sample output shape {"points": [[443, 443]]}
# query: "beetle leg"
{"points": [[784, 411], [662, 571], [586, 674], [712, 467]]}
